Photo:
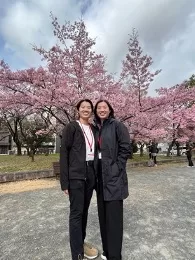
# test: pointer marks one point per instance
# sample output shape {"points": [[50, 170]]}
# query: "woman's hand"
{"points": [[66, 192]]}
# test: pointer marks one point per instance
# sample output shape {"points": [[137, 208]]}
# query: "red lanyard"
{"points": [[90, 144], [100, 139]]}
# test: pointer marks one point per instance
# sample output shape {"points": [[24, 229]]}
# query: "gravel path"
{"points": [[159, 218]]}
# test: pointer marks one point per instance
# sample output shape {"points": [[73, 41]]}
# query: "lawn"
{"points": [[14, 163]]}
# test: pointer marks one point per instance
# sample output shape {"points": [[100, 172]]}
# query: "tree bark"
{"points": [[141, 150], [19, 148]]}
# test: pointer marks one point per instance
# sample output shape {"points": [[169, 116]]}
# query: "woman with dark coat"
{"points": [[77, 177], [189, 149], [154, 151], [113, 143]]}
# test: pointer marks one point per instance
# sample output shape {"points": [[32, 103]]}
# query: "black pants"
{"points": [[111, 223], [190, 163], [154, 159], [80, 193]]}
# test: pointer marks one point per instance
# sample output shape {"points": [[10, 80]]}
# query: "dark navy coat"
{"points": [[115, 150]]}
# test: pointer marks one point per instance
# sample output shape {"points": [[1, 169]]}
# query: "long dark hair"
{"points": [[111, 115], [84, 100]]}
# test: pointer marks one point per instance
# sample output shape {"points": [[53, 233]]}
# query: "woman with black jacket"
{"points": [[77, 177], [189, 149], [113, 143]]}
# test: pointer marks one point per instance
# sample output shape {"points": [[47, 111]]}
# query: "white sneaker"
{"points": [[103, 256]]}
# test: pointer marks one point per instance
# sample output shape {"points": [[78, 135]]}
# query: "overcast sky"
{"points": [[166, 29]]}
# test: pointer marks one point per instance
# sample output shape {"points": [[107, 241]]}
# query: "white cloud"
{"points": [[29, 22], [162, 26], [166, 29]]}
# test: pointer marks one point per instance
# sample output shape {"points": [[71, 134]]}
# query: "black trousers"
{"points": [[111, 223], [80, 193], [190, 163], [154, 159]]}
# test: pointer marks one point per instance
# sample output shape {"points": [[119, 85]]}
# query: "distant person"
{"points": [[189, 149], [150, 150], [77, 177], [154, 151]]}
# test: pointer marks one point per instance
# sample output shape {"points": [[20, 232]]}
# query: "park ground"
{"points": [[14, 163], [159, 217]]}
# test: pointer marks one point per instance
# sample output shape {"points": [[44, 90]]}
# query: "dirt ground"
{"points": [[159, 217], [21, 186]]}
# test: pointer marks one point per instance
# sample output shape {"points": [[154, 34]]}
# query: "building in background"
{"points": [[5, 141]]}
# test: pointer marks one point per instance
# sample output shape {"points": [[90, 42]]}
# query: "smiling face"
{"points": [[103, 110], [85, 110]]}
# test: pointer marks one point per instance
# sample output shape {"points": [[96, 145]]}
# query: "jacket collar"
{"points": [[96, 122]]}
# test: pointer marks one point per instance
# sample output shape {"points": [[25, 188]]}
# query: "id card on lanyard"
{"points": [[90, 156]]}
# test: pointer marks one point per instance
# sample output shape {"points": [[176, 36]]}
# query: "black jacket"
{"points": [[115, 150], [72, 154], [189, 151], [154, 148]]}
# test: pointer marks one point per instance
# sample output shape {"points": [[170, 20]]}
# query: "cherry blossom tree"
{"points": [[136, 74], [177, 114], [34, 132], [16, 108], [75, 71], [140, 112], [11, 112]]}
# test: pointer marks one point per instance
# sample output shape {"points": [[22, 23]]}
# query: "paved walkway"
{"points": [[159, 219]]}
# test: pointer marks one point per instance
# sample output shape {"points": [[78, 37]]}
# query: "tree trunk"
{"points": [[15, 134], [170, 148], [19, 148], [28, 151], [178, 150], [142, 150], [174, 142], [32, 155]]}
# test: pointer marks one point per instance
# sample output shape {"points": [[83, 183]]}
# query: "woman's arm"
{"points": [[124, 146], [66, 144]]}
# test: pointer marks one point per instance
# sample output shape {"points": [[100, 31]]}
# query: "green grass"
{"points": [[145, 158], [138, 158], [14, 163]]}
